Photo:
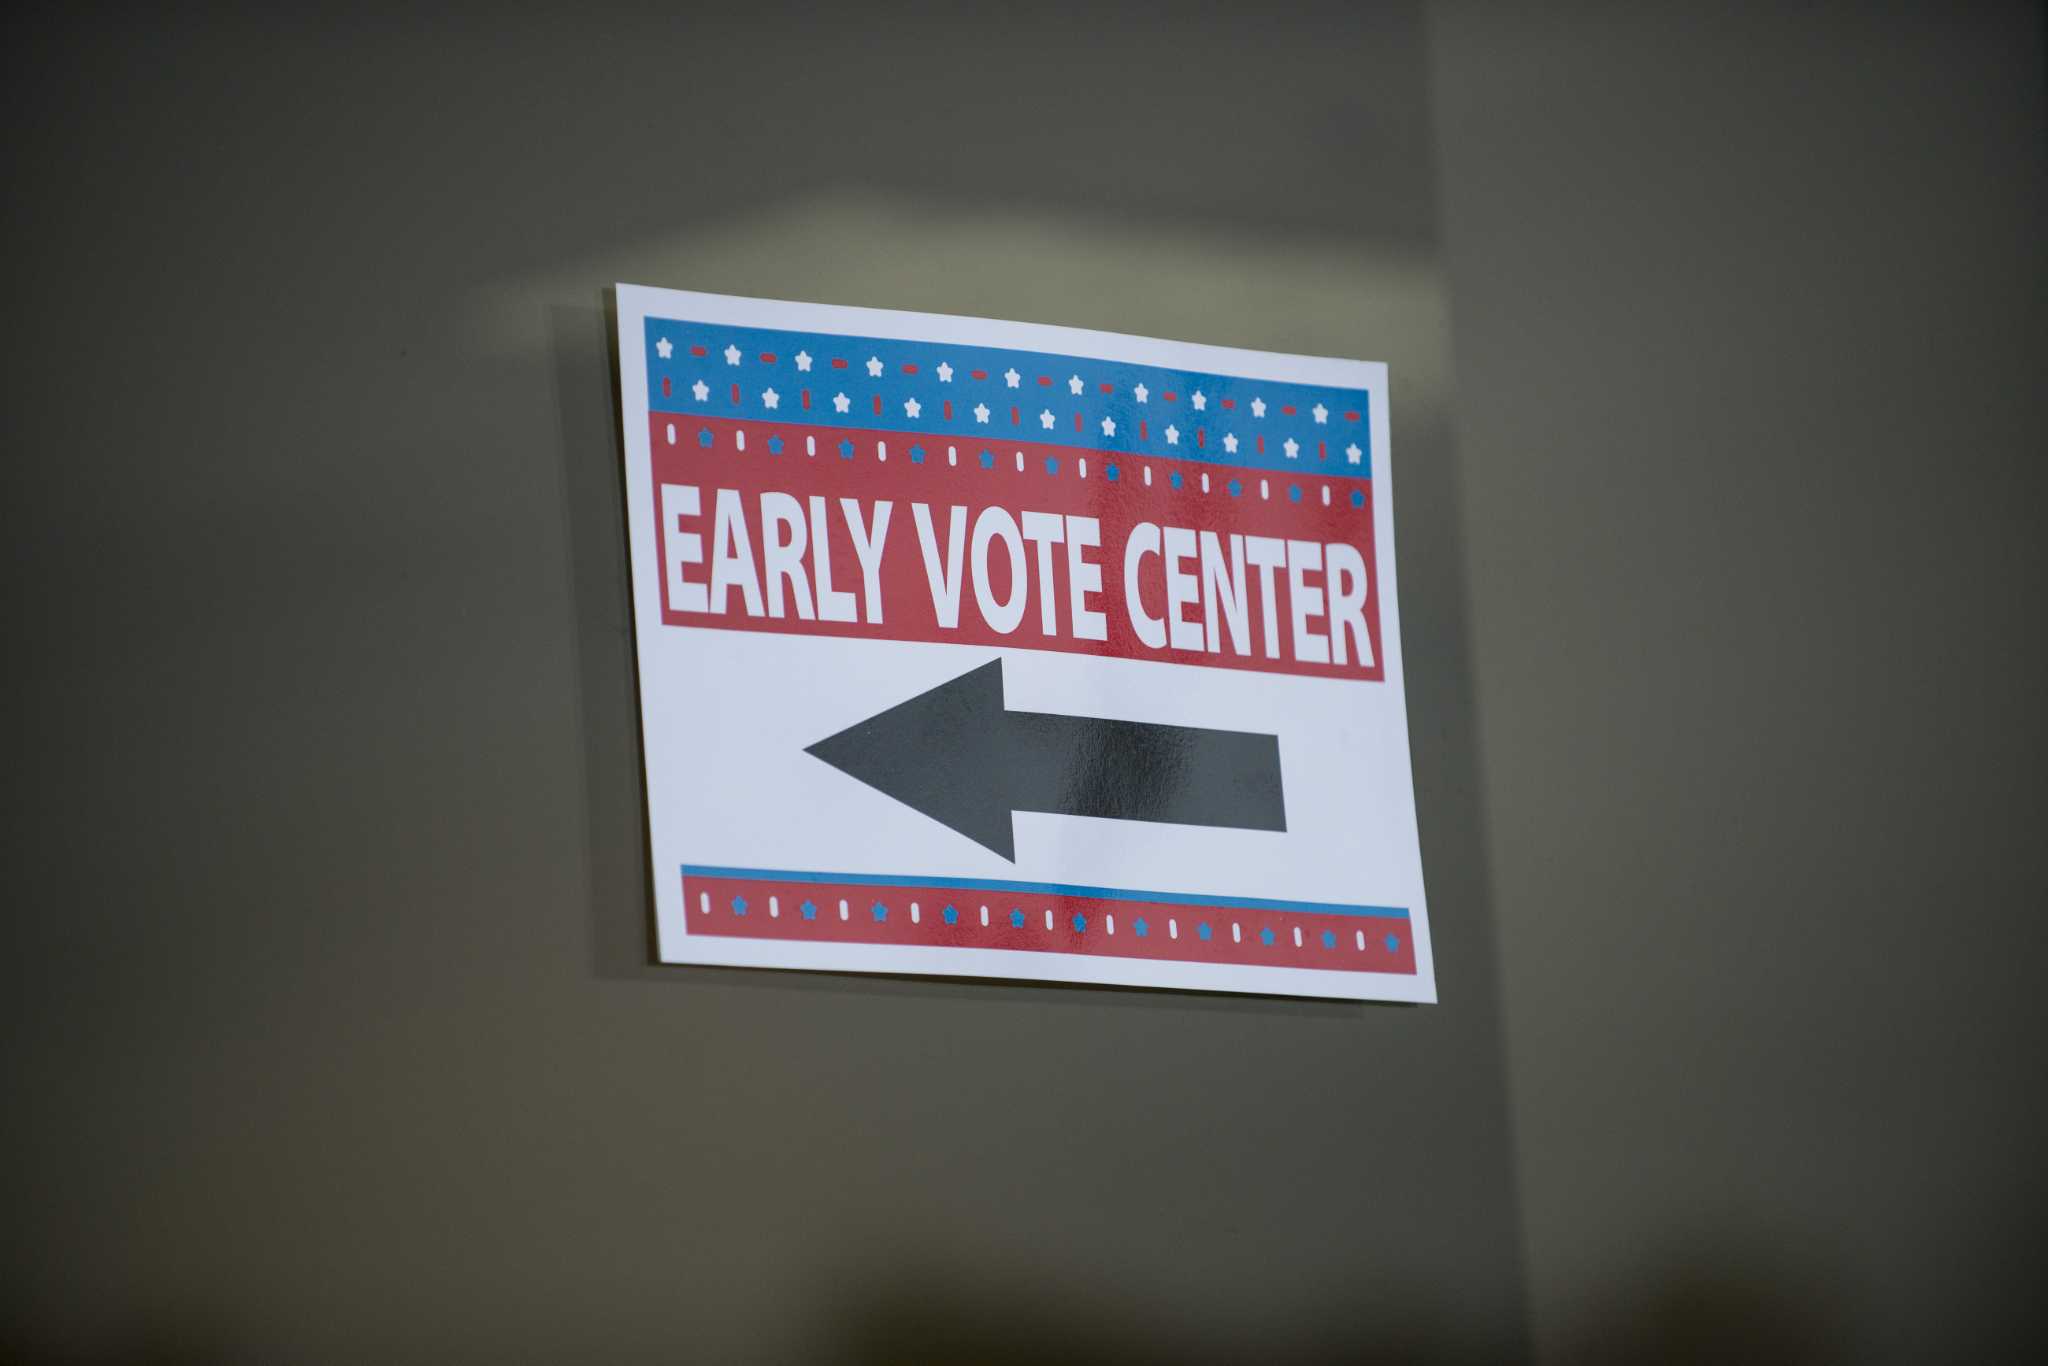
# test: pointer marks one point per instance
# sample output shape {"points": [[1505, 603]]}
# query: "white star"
{"points": [[1352, 452], [1045, 419], [945, 373], [732, 354], [911, 408], [1322, 413], [1173, 436], [1010, 377], [701, 390], [981, 412], [1201, 400], [1108, 427], [874, 368], [1230, 443], [803, 361], [1290, 447], [1142, 394], [1258, 407], [664, 348], [840, 403], [1074, 384], [769, 398]]}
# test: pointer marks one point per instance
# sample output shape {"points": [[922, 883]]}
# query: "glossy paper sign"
{"points": [[1004, 650]]}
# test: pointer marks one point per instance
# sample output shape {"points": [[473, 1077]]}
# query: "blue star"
{"points": [[846, 450], [1294, 493], [704, 436], [810, 910], [881, 912], [952, 915], [739, 905], [917, 455], [1393, 943], [775, 445], [1329, 939], [1235, 488], [1140, 928], [1174, 479], [1109, 472], [1266, 937], [1052, 464], [1357, 498], [1016, 920], [988, 460], [1205, 931], [1080, 923]]}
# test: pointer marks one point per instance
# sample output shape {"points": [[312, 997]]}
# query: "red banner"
{"points": [[835, 532]]}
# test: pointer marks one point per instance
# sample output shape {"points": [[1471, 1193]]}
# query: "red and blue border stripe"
{"points": [[1253, 424], [1044, 917]]}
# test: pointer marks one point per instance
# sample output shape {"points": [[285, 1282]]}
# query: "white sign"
{"points": [[996, 649]]}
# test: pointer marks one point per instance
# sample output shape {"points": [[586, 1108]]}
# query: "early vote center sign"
{"points": [[1003, 650]]}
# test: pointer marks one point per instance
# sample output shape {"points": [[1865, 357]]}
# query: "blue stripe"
{"points": [[895, 388], [983, 884]]}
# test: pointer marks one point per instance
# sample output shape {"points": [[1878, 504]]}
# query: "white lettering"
{"points": [[1180, 589], [682, 547], [942, 574], [867, 548], [834, 604], [1223, 587], [1084, 577], [1347, 601], [732, 555], [1304, 602], [1045, 530], [995, 524], [1267, 554], [1144, 541], [782, 553]]}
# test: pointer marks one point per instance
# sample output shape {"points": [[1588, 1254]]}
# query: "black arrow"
{"points": [[956, 755]]}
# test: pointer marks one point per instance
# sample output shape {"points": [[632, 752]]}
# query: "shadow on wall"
{"points": [[1704, 1309], [1711, 1304], [1717, 1307], [940, 1317]]}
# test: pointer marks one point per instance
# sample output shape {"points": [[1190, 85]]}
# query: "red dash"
{"points": [[979, 374], [838, 364], [1141, 429], [1262, 445], [910, 369], [1288, 409], [1230, 403], [767, 358], [735, 393], [1109, 388], [666, 387], [1077, 422], [1322, 450], [807, 399], [878, 405], [1198, 438], [1013, 417], [697, 351], [1351, 417], [949, 410], [1045, 380], [1169, 396]]}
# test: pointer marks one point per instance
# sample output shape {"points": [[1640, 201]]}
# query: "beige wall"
{"points": [[327, 1030], [330, 989], [1748, 316]]}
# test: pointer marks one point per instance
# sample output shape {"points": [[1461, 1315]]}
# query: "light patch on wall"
{"points": [[1310, 295]]}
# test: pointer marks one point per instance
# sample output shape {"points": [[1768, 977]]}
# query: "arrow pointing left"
{"points": [[958, 755]]}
